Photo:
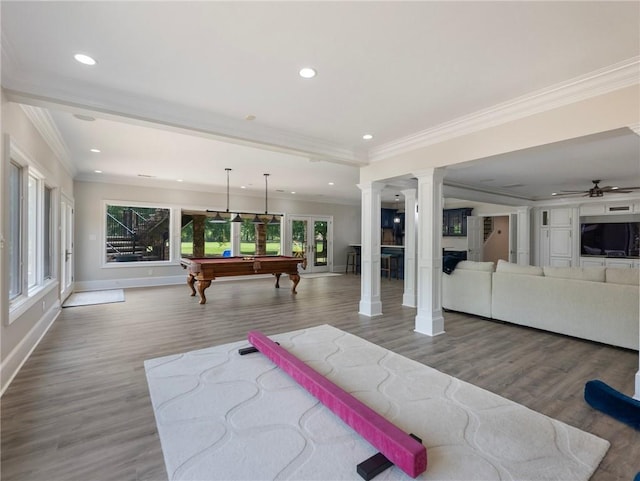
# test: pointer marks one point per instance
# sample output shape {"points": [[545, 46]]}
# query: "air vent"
{"points": [[620, 208]]}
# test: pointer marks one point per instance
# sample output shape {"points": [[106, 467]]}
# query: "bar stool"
{"points": [[388, 264], [352, 260]]}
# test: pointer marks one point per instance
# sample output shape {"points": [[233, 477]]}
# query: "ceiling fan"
{"points": [[597, 191]]}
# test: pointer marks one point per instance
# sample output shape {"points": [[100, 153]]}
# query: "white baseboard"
{"points": [[19, 355], [82, 286]]}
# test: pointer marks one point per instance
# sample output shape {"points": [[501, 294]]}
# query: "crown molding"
{"points": [[635, 128], [44, 123], [599, 82]]}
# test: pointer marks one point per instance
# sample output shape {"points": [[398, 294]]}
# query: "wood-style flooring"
{"points": [[79, 410]]}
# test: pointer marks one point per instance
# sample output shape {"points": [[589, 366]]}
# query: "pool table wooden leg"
{"points": [[190, 282], [278, 280], [202, 285], [295, 278]]}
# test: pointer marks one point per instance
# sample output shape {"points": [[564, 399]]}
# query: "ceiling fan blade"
{"points": [[607, 187], [573, 191]]}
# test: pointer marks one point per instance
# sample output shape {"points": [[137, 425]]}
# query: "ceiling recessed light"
{"points": [[615, 188], [367, 136], [554, 193], [84, 59], [86, 118], [293, 191], [307, 72], [331, 183], [98, 171], [179, 180], [95, 151], [243, 186], [250, 117]]}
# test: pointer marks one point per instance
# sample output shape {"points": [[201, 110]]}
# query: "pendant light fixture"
{"points": [[256, 219], [218, 219]]}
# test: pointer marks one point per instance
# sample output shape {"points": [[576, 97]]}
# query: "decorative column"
{"points": [[198, 235], [370, 304], [523, 234], [410, 217], [429, 319]]}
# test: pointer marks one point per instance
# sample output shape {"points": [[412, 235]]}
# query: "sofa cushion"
{"points": [[623, 276], [508, 267], [593, 274], [476, 266]]}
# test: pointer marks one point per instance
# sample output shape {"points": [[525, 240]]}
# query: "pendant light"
{"points": [[256, 219], [218, 219]]}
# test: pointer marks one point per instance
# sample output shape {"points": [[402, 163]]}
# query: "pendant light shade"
{"points": [[274, 220], [257, 220], [217, 219], [237, 218]]}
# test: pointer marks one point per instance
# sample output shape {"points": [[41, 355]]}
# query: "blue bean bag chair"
{"points": [[604, 398]]}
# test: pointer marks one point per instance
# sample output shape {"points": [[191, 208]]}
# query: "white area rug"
{"points": [[223, 416], [94, 297]]}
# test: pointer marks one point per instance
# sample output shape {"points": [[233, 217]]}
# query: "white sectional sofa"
{"points": [[468, 288], [597, 303]]}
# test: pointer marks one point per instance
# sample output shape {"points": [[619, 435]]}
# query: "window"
{"points": [[137, 234], [15, 230], [259, 239], [30, 230], [33, 220], [214, 237], [48, 235]]}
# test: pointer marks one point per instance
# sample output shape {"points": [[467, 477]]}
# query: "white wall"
{"points": [[90, 198], [20, 336]]}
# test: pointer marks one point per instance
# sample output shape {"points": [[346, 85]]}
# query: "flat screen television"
{"points": [[612, 239]]}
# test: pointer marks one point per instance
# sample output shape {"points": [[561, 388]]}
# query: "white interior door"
{"points": [[66, 247], [311, 237], [475, 238]]}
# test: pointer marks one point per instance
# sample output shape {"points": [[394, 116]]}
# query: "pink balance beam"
{"points": [[396, 445]]}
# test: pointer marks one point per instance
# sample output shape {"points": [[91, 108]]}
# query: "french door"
{"points": [[66, 247], [311, 237]]}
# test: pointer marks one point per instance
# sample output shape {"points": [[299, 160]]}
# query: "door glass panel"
{"points": [[298, 237], [320, 257]]}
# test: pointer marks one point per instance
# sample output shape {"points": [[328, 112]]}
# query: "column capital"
{"points": [[436, 173], [374, 186], [409, 193]]}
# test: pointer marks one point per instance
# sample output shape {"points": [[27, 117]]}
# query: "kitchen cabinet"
{"points": [[454, 221]]}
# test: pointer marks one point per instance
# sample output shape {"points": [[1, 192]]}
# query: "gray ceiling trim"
{"points": [[153, 113], [614, 77]]}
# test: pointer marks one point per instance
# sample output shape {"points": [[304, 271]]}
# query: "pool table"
{"points": [[204, 270]]}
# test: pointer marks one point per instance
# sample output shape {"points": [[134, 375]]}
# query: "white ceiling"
{"points": [[175, 82]]}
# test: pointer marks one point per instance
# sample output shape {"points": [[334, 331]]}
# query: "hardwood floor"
{"points": [[80, 410]]}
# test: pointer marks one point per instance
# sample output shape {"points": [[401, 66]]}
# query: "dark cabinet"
{"points": [[454, 221], [386, 219]]}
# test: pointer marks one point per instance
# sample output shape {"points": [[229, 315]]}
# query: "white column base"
{"points": [[409, 299], [430, 325], [370, 309], [637, 395]]}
